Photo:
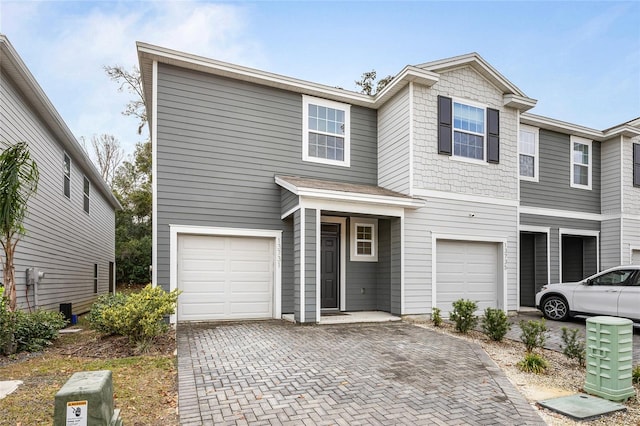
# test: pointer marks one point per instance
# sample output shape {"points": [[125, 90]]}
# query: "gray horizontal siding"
{"points": [[383, 296], [297, 262], [610, 243], [288, 200], [62, 240], [394, 144], [220, 142], [554, 186], [611, 197]]}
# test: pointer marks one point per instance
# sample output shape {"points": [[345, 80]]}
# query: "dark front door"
{"points": [[572, 258], [329, 265]]}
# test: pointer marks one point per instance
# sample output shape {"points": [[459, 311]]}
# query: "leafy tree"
{"points": [[132, 187], [18, 182], [368, 85], [131, 81]]}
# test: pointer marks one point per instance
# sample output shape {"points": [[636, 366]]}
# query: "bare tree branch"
{"points": [[109, 155], [131, 81]]}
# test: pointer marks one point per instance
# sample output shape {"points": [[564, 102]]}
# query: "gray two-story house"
{"points": [[275, 196], [69, 247]]}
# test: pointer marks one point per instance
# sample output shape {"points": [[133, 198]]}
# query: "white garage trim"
{"points": [[502, 272], [175, 230]]}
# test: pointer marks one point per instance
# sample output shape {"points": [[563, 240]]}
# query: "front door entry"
{"points": [[329, 265]]}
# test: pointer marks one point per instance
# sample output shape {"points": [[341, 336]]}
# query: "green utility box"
{"points": [[609, 358], [86, 400]]}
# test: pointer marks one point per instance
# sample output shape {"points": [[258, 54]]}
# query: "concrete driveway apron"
{"points": [[273, 372]]}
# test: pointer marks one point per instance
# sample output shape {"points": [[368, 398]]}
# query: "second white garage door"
{"points": [[225, 278], [466, 270]]}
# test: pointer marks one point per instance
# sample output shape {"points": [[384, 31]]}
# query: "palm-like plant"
{"points": [[18, 182]]}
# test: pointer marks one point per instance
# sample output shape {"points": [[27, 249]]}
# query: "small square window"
{"points": [[364, 236]]}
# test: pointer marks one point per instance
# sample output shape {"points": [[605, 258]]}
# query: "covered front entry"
{"points": [[467, 270], [346, 247]]}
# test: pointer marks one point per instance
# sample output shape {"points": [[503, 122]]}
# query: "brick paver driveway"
{"points": [[273, 372]]}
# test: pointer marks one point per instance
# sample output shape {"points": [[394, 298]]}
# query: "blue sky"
{"points": [[581, 60]]}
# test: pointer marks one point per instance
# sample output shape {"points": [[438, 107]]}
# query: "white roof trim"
{"points": [[577, 130], [327, 194]]}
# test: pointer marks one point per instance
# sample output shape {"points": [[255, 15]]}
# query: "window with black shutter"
{"points": [[493, 135], [444, 125], [636, 164]]}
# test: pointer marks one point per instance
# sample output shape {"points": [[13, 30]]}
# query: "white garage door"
{"points": [[466, 270], [635, 257], [224, 278]]}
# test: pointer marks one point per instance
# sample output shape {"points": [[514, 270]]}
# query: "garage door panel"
{"points": [[225, 277], [466, 270]]}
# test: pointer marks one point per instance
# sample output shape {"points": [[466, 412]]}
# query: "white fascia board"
{"points": [[324, 194], [212, 66], [569, 214], [225, 69], [350, 207], [623, 130], [521, 103], [561, 126]]}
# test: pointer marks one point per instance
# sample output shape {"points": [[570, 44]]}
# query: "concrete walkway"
{"points": [[274, 372]]}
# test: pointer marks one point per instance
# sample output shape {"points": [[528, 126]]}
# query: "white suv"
{"points": [[614, 292]]}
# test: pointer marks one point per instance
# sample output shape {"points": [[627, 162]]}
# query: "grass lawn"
{"points": [[145, 387]]}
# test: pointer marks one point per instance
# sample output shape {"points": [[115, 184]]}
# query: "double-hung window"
{"points": [[468, 131], [528, 148], [580, 162], [364, 240], [66, 183], [326, 126]]}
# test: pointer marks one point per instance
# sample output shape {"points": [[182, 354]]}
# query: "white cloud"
{"points": [[66, 45]]}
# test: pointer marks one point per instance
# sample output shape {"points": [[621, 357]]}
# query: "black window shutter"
{"points": [[636, 164], [493, 135], [444, 125]]}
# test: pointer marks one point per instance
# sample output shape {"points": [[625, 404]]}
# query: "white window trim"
{"points": [[453, 130], [588, 142], [354, 256], [64, 173], [536, 159], [306, 100]]}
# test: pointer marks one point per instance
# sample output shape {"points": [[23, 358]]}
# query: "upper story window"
{"points": [[67, 176], [364, 240], [468, 131], [326, 131], [86, 194], [528, 148], [580, 162]]}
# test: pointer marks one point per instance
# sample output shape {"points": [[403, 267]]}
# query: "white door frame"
{"points": [[175, 230], [342, 221]]}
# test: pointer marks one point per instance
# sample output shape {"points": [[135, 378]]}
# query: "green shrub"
{"points": [[574, 347], [463, 315], [436, 317], [139, 316], [635, 374], [534, 334], [533, 363], [495, 324], [98, 317], [34, 331]]}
